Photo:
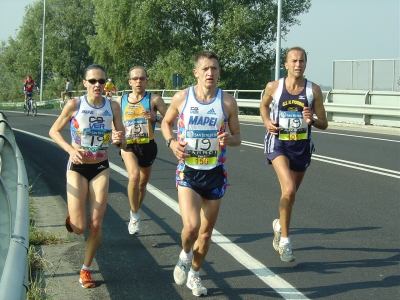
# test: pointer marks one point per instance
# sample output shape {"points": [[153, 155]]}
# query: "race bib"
{"points": [[294, 126]]}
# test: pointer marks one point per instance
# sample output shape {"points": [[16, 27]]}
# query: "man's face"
{"points": [[207, 72], [138, 80], [295, 63]]}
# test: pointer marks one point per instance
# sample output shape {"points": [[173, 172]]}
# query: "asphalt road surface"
{"points": [[344, 230]]}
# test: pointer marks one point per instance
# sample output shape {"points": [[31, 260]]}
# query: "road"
{"points": [[345, 225]]}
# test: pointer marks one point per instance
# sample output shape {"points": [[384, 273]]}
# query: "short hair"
{"points": [[93, 67], [296, 48], [137, 67], [205, 54], [67, 79]]}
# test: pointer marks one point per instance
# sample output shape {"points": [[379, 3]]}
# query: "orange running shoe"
{"points": [[86, 280], [68, 225]]}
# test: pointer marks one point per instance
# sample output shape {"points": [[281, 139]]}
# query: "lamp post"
{"points": [[278, 42], [42, 63]]}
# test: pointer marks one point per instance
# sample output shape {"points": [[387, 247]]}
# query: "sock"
{"points": [[135, 216], [277, 226], [86, 268], [186, 256], [284, 240], [194, 273]]}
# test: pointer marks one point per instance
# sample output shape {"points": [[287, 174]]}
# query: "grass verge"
{"points": [[37, 265]]}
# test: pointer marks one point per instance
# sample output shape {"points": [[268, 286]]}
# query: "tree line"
{"points": [[161, 35]]}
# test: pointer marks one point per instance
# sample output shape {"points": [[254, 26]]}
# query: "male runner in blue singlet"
{"points": [[287, 109], [200, 146]]}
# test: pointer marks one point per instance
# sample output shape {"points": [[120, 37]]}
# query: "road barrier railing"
{"points": [[362, 107], [14, 216]]}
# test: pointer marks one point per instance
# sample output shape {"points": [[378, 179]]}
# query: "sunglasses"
{"points": [[141, 78], [94, 81]]}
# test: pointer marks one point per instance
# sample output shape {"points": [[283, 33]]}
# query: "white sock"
{"points": [[194, 273], [284, 240], [86, 268], [186, 256], [135, 216]]}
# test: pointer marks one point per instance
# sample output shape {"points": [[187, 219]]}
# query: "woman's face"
{"points": [[95, 82]]}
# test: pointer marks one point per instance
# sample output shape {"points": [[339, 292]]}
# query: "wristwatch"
{"points": [[312, 121], [168, 142], [158, 118]]}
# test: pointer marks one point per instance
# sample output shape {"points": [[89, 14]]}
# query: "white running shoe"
{"points": [[181, 271], [194, 283], [134, 226], [277, 235]]}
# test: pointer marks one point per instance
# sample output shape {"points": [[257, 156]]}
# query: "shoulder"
{"points": [[316, 89], [227, 97], [272, 86], [180, 95]]}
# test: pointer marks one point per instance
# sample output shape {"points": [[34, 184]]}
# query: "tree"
{"points": [[68, 23], [152, 32]]}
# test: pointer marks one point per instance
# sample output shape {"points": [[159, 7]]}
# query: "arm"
{"points": [[266, 100], [55, 131], [319, 110], [232, 138], [114, 89], [118, 135], [158, 105], [177, 147]]}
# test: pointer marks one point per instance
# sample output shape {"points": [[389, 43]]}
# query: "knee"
{"points": [[79, 229], [288, 195], [95, 227], [205, 237], [134, 178], [191, 231]]}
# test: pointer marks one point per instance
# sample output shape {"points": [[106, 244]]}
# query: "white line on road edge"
{"points": [[286, 290]]}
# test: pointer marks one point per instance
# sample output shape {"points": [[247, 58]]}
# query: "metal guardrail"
{"points": [[14, 217], [362, 107]]}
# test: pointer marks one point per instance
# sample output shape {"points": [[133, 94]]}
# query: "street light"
{"points": [[278, 42], [42, 63]]}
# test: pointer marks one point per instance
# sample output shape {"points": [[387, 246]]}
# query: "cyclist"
{"points": [[68, 89], [110, 87], [28, 86]]}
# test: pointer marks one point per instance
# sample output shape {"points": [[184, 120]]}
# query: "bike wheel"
{"points": [[34, 109], [26, 110]]}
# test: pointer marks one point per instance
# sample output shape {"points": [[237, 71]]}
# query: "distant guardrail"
{"points": [[362, 107], [14, 217]]}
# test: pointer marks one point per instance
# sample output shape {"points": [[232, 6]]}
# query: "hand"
{"points": [[118, 139], [224, 138], [76, 155], [147, 114], [307, 115], [273, 127], [178, 148]]}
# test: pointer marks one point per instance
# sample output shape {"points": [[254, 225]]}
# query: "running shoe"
{"points": [[286, 252], [194, 283], [277, 235], [134, 226], [68, 225], [85, 279], [181, 271]]}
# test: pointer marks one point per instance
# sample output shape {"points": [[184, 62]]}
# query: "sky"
{"points": [[331, 30]]}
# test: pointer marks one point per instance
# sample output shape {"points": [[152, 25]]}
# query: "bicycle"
{"points": [[30, 105]]}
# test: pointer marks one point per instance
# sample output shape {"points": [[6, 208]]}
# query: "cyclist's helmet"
{"points": [[109, 79]]}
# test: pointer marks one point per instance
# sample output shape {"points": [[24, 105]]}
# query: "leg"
{"points": [[133, 169], [209, 214], [98, 192], [190, 207], [290, 182], [77, 190]]}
